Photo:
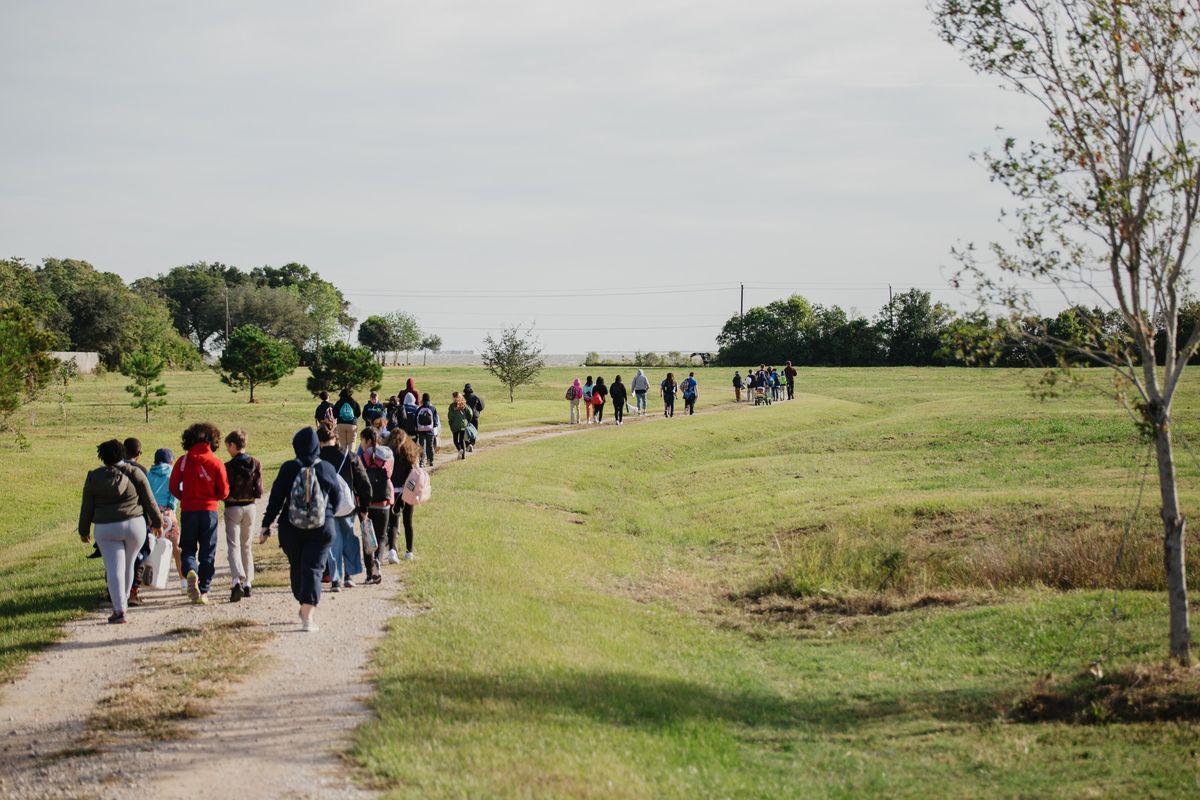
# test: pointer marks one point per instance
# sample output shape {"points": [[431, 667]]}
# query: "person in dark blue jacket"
{"points": [[306, 548]]}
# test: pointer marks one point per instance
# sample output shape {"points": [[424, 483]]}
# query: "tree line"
{"points": [[912, 330]]}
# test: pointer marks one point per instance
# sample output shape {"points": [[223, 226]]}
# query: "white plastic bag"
{"points": [[159, 562]]}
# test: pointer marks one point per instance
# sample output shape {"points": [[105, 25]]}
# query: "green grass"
{"points": [[581, 639], [44, 578]]}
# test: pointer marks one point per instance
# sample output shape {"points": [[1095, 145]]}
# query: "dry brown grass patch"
{"points": [[1158, 693], [177, 681]]}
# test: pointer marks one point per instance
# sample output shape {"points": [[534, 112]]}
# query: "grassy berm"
{"points": [[860, 593]]}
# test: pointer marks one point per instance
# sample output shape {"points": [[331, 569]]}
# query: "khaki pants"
{"points": [[347, 433], [239, 533], [575, 411]]}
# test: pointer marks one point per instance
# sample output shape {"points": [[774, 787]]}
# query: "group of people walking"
{"points": [[593, 396], [765, 384], [338, 505]]}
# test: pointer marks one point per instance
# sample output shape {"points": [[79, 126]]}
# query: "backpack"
{"points": [[307, 500], [381, 486], [689, 389], [424, 419], [345, 413], [329, 413], [570, 393], [346, 506], [416, 487]]}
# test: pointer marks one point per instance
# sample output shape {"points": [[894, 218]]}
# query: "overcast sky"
{"points": [[489, 152]]}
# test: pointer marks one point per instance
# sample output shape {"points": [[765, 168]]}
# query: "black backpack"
{"points": [[381, 487]]}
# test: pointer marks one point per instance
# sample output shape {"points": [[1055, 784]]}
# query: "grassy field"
{"points": [[836, 597], [44, 578], [839, 597]]}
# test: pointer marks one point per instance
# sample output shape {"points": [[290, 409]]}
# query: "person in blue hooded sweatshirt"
{"points": [[306, 548]]}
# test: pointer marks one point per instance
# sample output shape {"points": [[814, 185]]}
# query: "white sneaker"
{"points": [[183, 585], [308, 624], [393, 557], [408, 555]]}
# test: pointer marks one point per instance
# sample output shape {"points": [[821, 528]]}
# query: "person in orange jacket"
{"points": [[198, 479]]}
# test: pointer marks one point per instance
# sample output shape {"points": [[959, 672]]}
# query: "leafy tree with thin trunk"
{"points": [[26, 366], [376, 334], [515, 358], [430, 344], [406, 332], [145, 369], [342, 366], [252, 358], [1107, 197]]}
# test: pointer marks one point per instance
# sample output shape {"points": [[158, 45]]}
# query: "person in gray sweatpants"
{"points": [[117, 500]]}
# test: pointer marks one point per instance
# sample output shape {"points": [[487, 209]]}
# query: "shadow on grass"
{"points": [[643, 701]]}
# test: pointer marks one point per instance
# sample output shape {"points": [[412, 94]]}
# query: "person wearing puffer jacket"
{"points": [[306, 548], [640, 386]]}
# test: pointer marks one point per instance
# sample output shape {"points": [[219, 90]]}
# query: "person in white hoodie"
{"points": [[640, 386]]}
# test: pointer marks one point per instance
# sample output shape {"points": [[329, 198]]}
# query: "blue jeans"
{"points": [[641, 400], [198, 535], [345, 555]]}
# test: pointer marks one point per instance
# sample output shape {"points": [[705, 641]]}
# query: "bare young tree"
{"points": [[1107, 197], [514, 358]]}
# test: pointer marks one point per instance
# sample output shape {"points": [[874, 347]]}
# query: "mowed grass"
{"points": [[44, 577], [588, 631]]}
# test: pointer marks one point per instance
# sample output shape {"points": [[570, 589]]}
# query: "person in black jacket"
{"points": [[619, 397], [346, 552], [346, 412], [475, 403], [306, 548], [324, 412], [601, 391]]}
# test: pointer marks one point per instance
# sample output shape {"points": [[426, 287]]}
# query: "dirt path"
{"points": [[279, 732]]}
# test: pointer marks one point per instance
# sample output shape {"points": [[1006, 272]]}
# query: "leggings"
{"points": [[400, 511], [599, 413], [669, 407], [618, 410], [377, 518], [460, 440], [119, 543]]}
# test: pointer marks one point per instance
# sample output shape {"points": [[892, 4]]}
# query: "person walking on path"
{"points": [[575, 397], [619, 398], [667, 389], [406, 457], [588, 386], [790, 373], [459, 416], [245, 487], [346, 411], [428, 423], [117, 501], [641, 385], [324, 412], [737, 386], [346, 552], [160, 484], [373, 410], [689, 390], [408, 408], [475, 403], [379, 464], [133, 452], [303, 497], [199, 481], [599, 397]]}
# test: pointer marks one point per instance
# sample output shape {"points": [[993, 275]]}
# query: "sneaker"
{"points": [[326, 579], [134, 600], [309, 626], [336, 586], [246, 590], [347, 584], [203, 601], [470, 448], [183, 585], [117, 619], [393, 557], [236, 594], [408, 555], [95, 552], [373, 579], [192, 581]]}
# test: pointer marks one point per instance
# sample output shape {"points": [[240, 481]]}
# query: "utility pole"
{"points": [[742, 302], [227, 314], [891, 309]]}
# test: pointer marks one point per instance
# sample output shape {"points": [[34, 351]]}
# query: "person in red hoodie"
{"points": [[198, 479]]}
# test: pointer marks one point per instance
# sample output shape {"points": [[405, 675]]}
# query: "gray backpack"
{"points": [[307, 501]]}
